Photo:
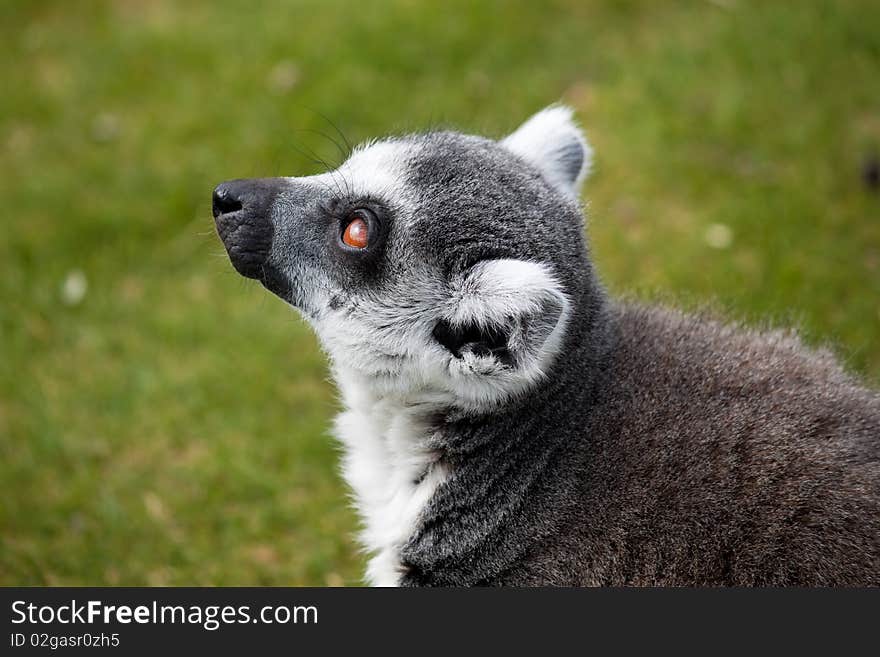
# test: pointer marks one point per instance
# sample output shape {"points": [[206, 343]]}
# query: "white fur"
{"points": [[374, 169], [514, 293], [543, 137], [390, 467]]}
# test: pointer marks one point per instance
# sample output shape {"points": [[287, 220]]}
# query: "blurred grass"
{"points": [[171, 427]]}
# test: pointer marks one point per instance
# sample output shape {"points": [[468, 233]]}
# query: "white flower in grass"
{"points": [[74, 288], [283, 77], [105, 127], [718, 236]]}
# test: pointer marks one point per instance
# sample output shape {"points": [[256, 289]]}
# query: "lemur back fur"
{"points": [[507, 422]]}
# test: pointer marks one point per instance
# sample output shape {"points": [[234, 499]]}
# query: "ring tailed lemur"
{"points": [[506, 422]]}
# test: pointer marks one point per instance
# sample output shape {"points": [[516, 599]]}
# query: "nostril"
{"points": [[224, 202]]}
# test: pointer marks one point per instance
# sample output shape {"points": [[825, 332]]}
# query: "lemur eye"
{"points": [[357, 231]]}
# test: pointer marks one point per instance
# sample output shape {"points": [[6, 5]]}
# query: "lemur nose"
{"points": [[242, 212], [251, 197], [225, 200]]}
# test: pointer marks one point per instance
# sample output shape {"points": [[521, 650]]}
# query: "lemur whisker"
{"points": [[338, 131], [342, 152]]}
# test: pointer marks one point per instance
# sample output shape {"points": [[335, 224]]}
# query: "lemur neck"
{"points": [[511, 472], [391, 466], [434, 484]]}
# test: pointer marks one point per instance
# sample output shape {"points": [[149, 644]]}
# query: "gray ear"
{"points": [[552, 141]]}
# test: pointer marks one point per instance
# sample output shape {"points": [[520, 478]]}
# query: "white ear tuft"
{"points": [[552, 141], [503, 327]]}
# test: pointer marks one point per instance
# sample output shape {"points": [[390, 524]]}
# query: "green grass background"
{"points": [[171, 427]]}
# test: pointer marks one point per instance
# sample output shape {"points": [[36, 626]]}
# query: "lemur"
{"points": [[506, 422]]}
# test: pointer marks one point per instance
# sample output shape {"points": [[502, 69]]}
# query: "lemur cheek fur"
{"points": [[507, 422]]}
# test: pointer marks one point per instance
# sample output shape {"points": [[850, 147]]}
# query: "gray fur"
{"points": [[668, 450], [660, 448]]}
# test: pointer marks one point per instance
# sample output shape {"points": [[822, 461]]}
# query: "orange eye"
{"points": [[356, 233]]}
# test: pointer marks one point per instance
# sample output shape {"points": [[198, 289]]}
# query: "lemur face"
{"points": [[434, 265]]}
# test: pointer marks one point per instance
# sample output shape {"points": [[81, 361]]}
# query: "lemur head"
{"points": [[440, 264]]}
